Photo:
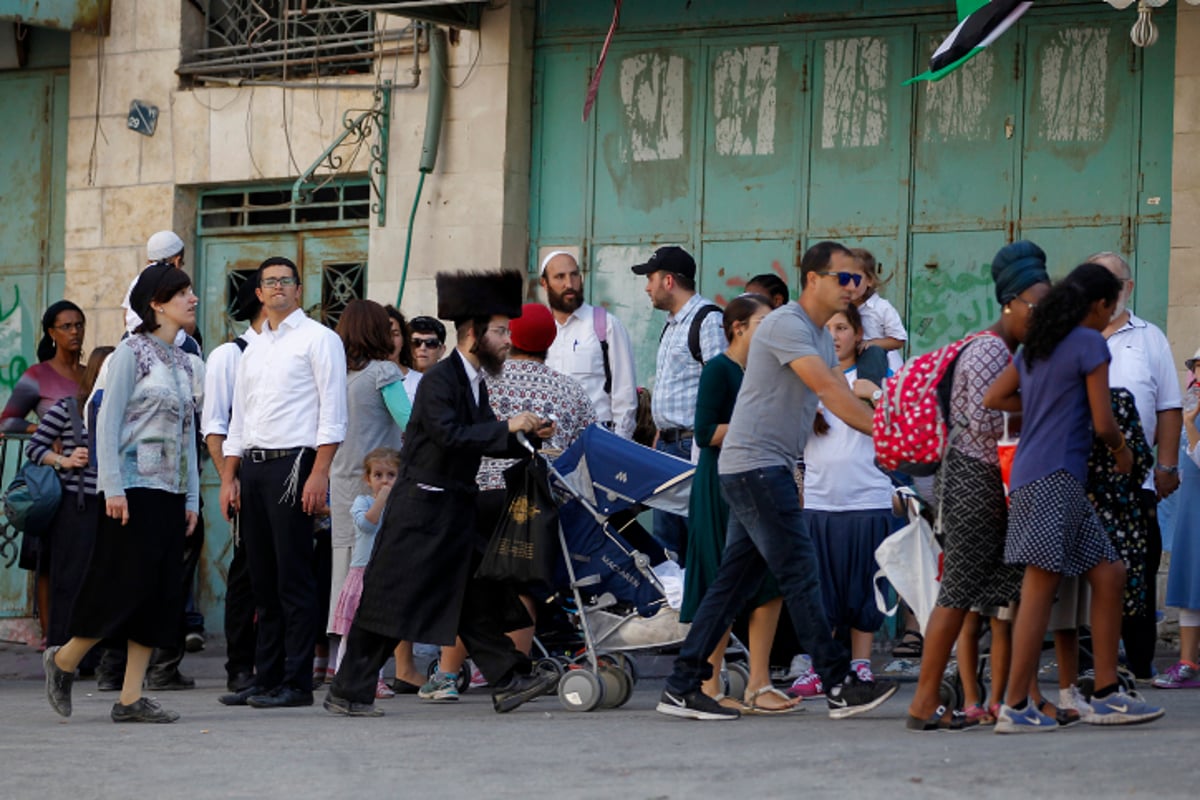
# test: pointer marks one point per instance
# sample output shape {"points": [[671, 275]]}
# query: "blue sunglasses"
{"points": [[845, 278]]}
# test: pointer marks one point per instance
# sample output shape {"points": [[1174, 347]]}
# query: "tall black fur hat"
{"points": [[472, 295]]}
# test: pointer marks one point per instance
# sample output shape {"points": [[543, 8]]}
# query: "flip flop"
{"points": [[957, 723], [752, 706], [731, 702]]}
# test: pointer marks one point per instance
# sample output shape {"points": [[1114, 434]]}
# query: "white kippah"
{"points": [[555, 254], [163, 244]]}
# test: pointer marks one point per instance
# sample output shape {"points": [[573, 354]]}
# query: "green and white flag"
{"points": [[979, 24]]}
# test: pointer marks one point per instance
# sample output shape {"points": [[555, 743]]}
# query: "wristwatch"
{"points": [[1171, 470], [875, 396], [58, 463]]}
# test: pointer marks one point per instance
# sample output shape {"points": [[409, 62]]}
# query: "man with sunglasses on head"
{"points": [[428, 342], [693, 335], [791, 367]]}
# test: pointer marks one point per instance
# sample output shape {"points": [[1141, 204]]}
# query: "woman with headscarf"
{"points": [[147, 473], [973, 509]]}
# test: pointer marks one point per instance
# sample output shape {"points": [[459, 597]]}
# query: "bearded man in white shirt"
{"points": [[604, 366], [289, 416]]}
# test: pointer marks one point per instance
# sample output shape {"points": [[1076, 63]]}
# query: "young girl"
{"points": [[848, 513], [1059, 381], [380, 468], [881, 323]]}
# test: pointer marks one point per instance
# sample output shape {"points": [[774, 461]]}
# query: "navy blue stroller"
{"points": [[620, 605]]}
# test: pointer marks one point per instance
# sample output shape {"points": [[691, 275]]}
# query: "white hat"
{"points": [[1191, 362], [163, 245], [555, 254]]}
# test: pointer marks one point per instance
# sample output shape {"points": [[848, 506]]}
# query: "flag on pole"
{"points": [[980, 23], [590, 98]]}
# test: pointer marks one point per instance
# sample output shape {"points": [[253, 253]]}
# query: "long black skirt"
{"points": [[134, 585], [73, 534]]}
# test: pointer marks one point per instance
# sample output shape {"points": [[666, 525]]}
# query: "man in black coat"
{"points": [[418, 585]]}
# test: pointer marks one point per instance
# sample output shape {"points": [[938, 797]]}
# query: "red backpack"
{"points": [[910, 431]]}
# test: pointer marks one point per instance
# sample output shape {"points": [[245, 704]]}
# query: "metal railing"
{"points": [[12, 458]]}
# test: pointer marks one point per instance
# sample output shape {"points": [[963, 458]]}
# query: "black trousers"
{"points": [[279, 545], [1140, 633], [241, 635], [489, 609]]}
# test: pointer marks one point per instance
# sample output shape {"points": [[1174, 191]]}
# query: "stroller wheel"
{"points": [[580, 690], [950, 691], [627, 664], [737, 678], [615, 684]]}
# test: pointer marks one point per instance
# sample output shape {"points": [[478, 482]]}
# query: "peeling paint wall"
{"points": [[652, 91], [855, 104], [1074, 73], [954, 106], [744, 100]]}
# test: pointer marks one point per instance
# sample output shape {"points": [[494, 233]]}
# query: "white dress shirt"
{"points": [[220, 374], [576, 352], [474, 376], [290, 389], [1142, 363]]}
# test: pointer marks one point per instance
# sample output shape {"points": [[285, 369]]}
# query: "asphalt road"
{"points": [[541, 750]]}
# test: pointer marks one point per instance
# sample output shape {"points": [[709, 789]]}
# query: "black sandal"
{"points": [[957, 723], [909, 646], [1065, 717]]}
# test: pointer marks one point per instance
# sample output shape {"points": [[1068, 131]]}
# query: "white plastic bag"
{"points": [[909, 560]]}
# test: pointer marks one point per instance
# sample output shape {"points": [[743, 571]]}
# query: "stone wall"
{"points": [[122, 186], [1183, 310]]}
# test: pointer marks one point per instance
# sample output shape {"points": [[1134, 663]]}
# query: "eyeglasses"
{"points": [[66, 327], [430, 344], [272, 283], [1029, 305], [499, 330], [844, 278]]}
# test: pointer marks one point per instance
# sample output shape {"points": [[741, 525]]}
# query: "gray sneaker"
{"points": [[142, 710], [58, 683], [441, 688]]}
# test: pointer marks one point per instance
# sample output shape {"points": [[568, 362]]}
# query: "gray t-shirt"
{"points": [[775, 409]]}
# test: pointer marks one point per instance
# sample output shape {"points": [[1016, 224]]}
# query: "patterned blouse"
{"points": [[975, 429], [145, 431], [527, 385]]}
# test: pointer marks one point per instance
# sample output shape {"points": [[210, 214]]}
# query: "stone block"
{"points": [[189, 131], [84, 219], [1185, 205], [229, 155], [117, 153], [99, 277], [483, 96], [81, 92], [1187, 41], [158, 156], [84, 45], [132, 213], [122, 26], [158, 25], [1187, 103], [465, 199], [1185, 170], [147, 76]]}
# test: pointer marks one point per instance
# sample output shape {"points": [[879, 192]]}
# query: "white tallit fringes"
{"points": [[293, 481]]}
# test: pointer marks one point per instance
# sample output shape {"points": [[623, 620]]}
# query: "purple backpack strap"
{"points": [[600, 326]]}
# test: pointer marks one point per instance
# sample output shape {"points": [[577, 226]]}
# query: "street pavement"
{"points": [[541, 750]]}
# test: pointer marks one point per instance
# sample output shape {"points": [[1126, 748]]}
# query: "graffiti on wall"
{"points": [[12, 360]]}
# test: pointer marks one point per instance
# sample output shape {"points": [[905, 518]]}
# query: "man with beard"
{"points": [[419, 586], [592, 346]]}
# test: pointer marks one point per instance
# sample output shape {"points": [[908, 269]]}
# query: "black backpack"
{"points": [[694, 330]]}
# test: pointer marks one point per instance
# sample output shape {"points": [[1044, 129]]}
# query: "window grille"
{"points": [[336, 205], [285, 39]]}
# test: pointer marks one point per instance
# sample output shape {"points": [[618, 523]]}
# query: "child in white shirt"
{"points": [[882, 326]]}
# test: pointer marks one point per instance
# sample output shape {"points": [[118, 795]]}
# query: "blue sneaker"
{"points": [[1027, 720], [1120, 708], [441, 688]]}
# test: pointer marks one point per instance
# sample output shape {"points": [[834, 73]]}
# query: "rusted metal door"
{"points": [[33, 158], [745, 142]]}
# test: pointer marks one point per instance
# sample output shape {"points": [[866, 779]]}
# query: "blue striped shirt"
{"points": [[677, 380]]}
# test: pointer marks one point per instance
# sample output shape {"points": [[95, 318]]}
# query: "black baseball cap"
{"points": [[668, 259]]}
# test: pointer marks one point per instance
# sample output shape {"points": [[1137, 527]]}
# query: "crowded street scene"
{"points": [[482, 397]]}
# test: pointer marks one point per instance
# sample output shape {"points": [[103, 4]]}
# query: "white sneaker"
{"points": [[801, 665], [1071, 697]]}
